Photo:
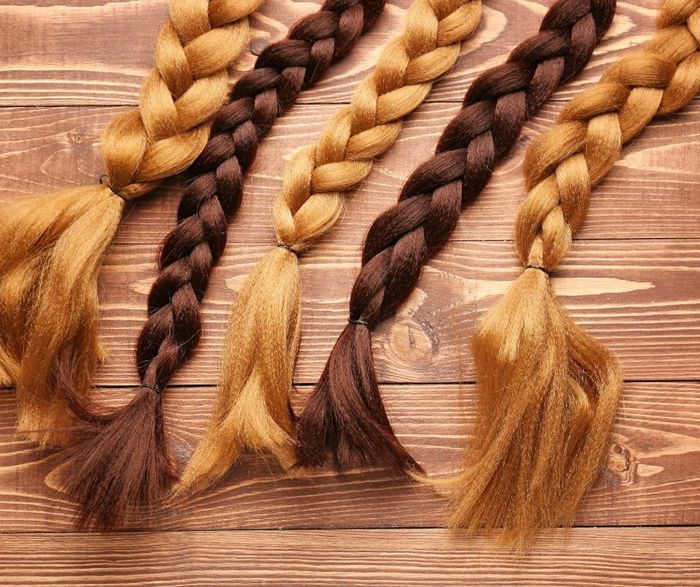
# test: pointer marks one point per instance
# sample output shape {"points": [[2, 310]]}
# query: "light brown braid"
{"points": [[252, 411], [548, 390], [53, 245]]}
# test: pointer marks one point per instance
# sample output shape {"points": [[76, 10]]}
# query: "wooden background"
{"points": [[632, 279]]}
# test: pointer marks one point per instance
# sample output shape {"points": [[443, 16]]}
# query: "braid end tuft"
{"points": [[48, 300]]}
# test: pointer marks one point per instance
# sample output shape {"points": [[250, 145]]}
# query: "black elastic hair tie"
{"points": [[543, 269], [358, 322], [155, 388], [289, 248], [111, 189]]}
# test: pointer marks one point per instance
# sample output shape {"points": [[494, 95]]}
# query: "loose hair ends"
{"points": [[404, 237], [548, 391], [121, 467], [27, 231], [355, 425], [253, 412], [55, 323]]}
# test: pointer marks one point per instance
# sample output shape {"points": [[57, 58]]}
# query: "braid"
{"points": [[345, 414], [123, 460], [53, 245], [215, 186], [253, 410], [549, 391]]}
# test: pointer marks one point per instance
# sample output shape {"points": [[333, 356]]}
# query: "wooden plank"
{"points": [[53, 53], [640, 297], [652, 476], [586, 557], [67, 68], [653, 192]]}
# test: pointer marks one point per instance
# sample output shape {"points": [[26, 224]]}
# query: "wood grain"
{"points": [[98, 51], [640, 297], [652, 476], [584, 557], [66, 68], [651, 193]]}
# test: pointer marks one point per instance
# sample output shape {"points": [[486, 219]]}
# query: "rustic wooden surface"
{"points": [[581, 557], [632, 279]]}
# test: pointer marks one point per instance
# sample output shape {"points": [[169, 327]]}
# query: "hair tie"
{"points": [[155, 387], [290, 249], [358, 322], [111, 189], [544, 270]]}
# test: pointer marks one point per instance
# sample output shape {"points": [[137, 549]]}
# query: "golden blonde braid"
{"points": [[53, 245], [548, 391], [252, 412]]}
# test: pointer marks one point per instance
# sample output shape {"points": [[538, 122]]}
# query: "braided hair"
{"points": [[548, 390], [345, 416], [253, 411], [123, 459]]}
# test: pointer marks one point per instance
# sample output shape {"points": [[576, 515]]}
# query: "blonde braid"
{"points": [[179, 96], [548, 390], [253, 410], [53, 245]]}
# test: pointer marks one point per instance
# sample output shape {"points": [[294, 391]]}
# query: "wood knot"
{"points": [[75, 136], [621, 465], [412, 342]]}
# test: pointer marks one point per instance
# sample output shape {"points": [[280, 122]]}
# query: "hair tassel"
{"points": [[548, 391], [253, 412]]}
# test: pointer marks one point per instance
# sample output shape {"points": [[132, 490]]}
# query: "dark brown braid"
{"points": [[215, 189], [345, 415], [125, 462]]}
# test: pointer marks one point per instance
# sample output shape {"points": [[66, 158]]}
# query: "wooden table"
{"points": [[632, 279]]}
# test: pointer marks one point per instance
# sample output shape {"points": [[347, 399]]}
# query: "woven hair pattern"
{"points": [[253, 411], [345, 415], [215, 188], [357, 134], [122, 459], [563, 165], [184, 90]]}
